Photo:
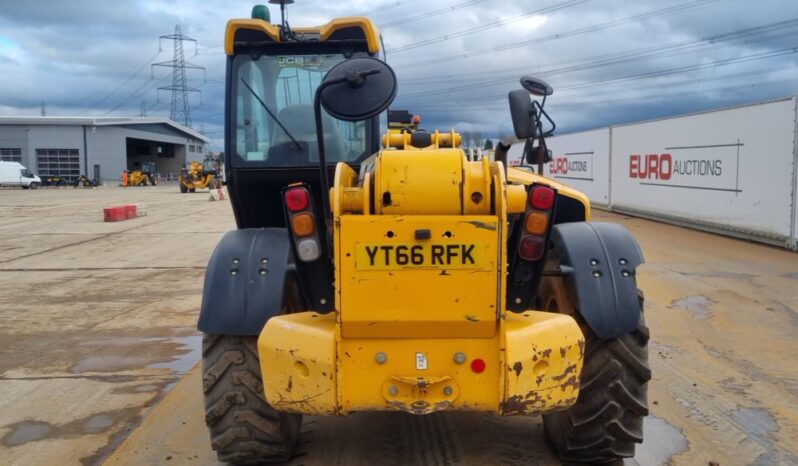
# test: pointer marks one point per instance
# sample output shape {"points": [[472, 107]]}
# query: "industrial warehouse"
{"points": [[98, 148]]}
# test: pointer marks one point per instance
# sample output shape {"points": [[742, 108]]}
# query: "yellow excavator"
{"points": [[199, 176], [387, 272]]}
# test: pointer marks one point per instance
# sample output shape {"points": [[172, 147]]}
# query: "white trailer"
{"points": [[582, 160], [730, 170]]}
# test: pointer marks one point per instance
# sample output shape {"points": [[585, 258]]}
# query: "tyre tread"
{"points": [[244, 429], [607, 419]]}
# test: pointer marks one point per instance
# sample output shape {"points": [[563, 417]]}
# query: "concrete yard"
{"points": [[98, 361]]}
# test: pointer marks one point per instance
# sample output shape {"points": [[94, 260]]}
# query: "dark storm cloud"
{"points": [[610, 61]]}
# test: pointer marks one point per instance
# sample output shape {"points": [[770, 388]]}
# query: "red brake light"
{"points": [[297, 199], [541, 197], [478, 365], [531, 248]]}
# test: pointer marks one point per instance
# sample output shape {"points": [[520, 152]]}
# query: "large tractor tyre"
{"points": [[153, 180], [244, 428], [183, 188], [607, 419]]}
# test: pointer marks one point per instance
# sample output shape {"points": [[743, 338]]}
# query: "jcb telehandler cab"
{"points": [[390, 273]]}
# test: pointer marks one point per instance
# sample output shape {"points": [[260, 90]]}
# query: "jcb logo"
{"points": [[298, 61], [651, 166]]}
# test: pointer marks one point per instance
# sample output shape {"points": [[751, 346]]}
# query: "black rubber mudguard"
{"points": [[245, 281], [598, 262]]}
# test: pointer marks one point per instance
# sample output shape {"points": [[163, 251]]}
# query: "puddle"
{"points": [[177, 353], [97, 423], [26, 431], [122, 341], [697, 304], [661, 441], [192, 345], [109, 363], [759, 424], [23, 432], [145, 388]]}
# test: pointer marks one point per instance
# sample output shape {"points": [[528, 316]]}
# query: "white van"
{"points": [[15, 174]]}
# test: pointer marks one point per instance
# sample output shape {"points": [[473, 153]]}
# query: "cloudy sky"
{"points": [[609, 61]]}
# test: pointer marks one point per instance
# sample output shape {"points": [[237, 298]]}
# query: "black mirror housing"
{"points": [[536, 86], [523, 114], [358, 89]]}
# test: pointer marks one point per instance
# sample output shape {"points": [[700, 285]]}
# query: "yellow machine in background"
{"points": [[145, 176], [402, 121], [415, 280], [199, 176]]}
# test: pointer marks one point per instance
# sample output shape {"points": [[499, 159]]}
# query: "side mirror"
{"points": [[523, 114], [536, 86], [358, 89], [353, 90]]}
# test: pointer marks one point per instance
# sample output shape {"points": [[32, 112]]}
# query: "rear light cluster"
{"points": [[536, 223], [302, 223]]}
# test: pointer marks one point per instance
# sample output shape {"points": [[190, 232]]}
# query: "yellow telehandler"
{"points": [[144, 176], [387, 272], [199, 176]]}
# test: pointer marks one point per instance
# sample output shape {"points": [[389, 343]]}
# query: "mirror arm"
{"points": [[548, 118], [354, 80], [325, 182], [542, 149]]}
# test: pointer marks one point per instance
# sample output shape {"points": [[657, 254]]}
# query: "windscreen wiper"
{"points": [[271, 114]]}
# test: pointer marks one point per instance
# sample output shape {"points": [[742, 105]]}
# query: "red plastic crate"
{"points": [[130, 210]]}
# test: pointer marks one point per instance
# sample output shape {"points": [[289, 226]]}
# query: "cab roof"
{"points": [[349, 29]]}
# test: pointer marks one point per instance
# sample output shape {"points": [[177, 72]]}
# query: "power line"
{"points": [[429, 14], [123, 84], [625, 57], [137, 93], [382, 9], [484, 27], [639, 76], [468, 77], [581, 104], [561, 35]]}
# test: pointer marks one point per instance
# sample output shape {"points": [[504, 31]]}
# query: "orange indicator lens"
{"points": [[536, 223], [303, 224]]}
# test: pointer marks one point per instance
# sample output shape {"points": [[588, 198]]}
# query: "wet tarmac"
{"points": [[98, 363], [96, 319], [725, 390]]}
